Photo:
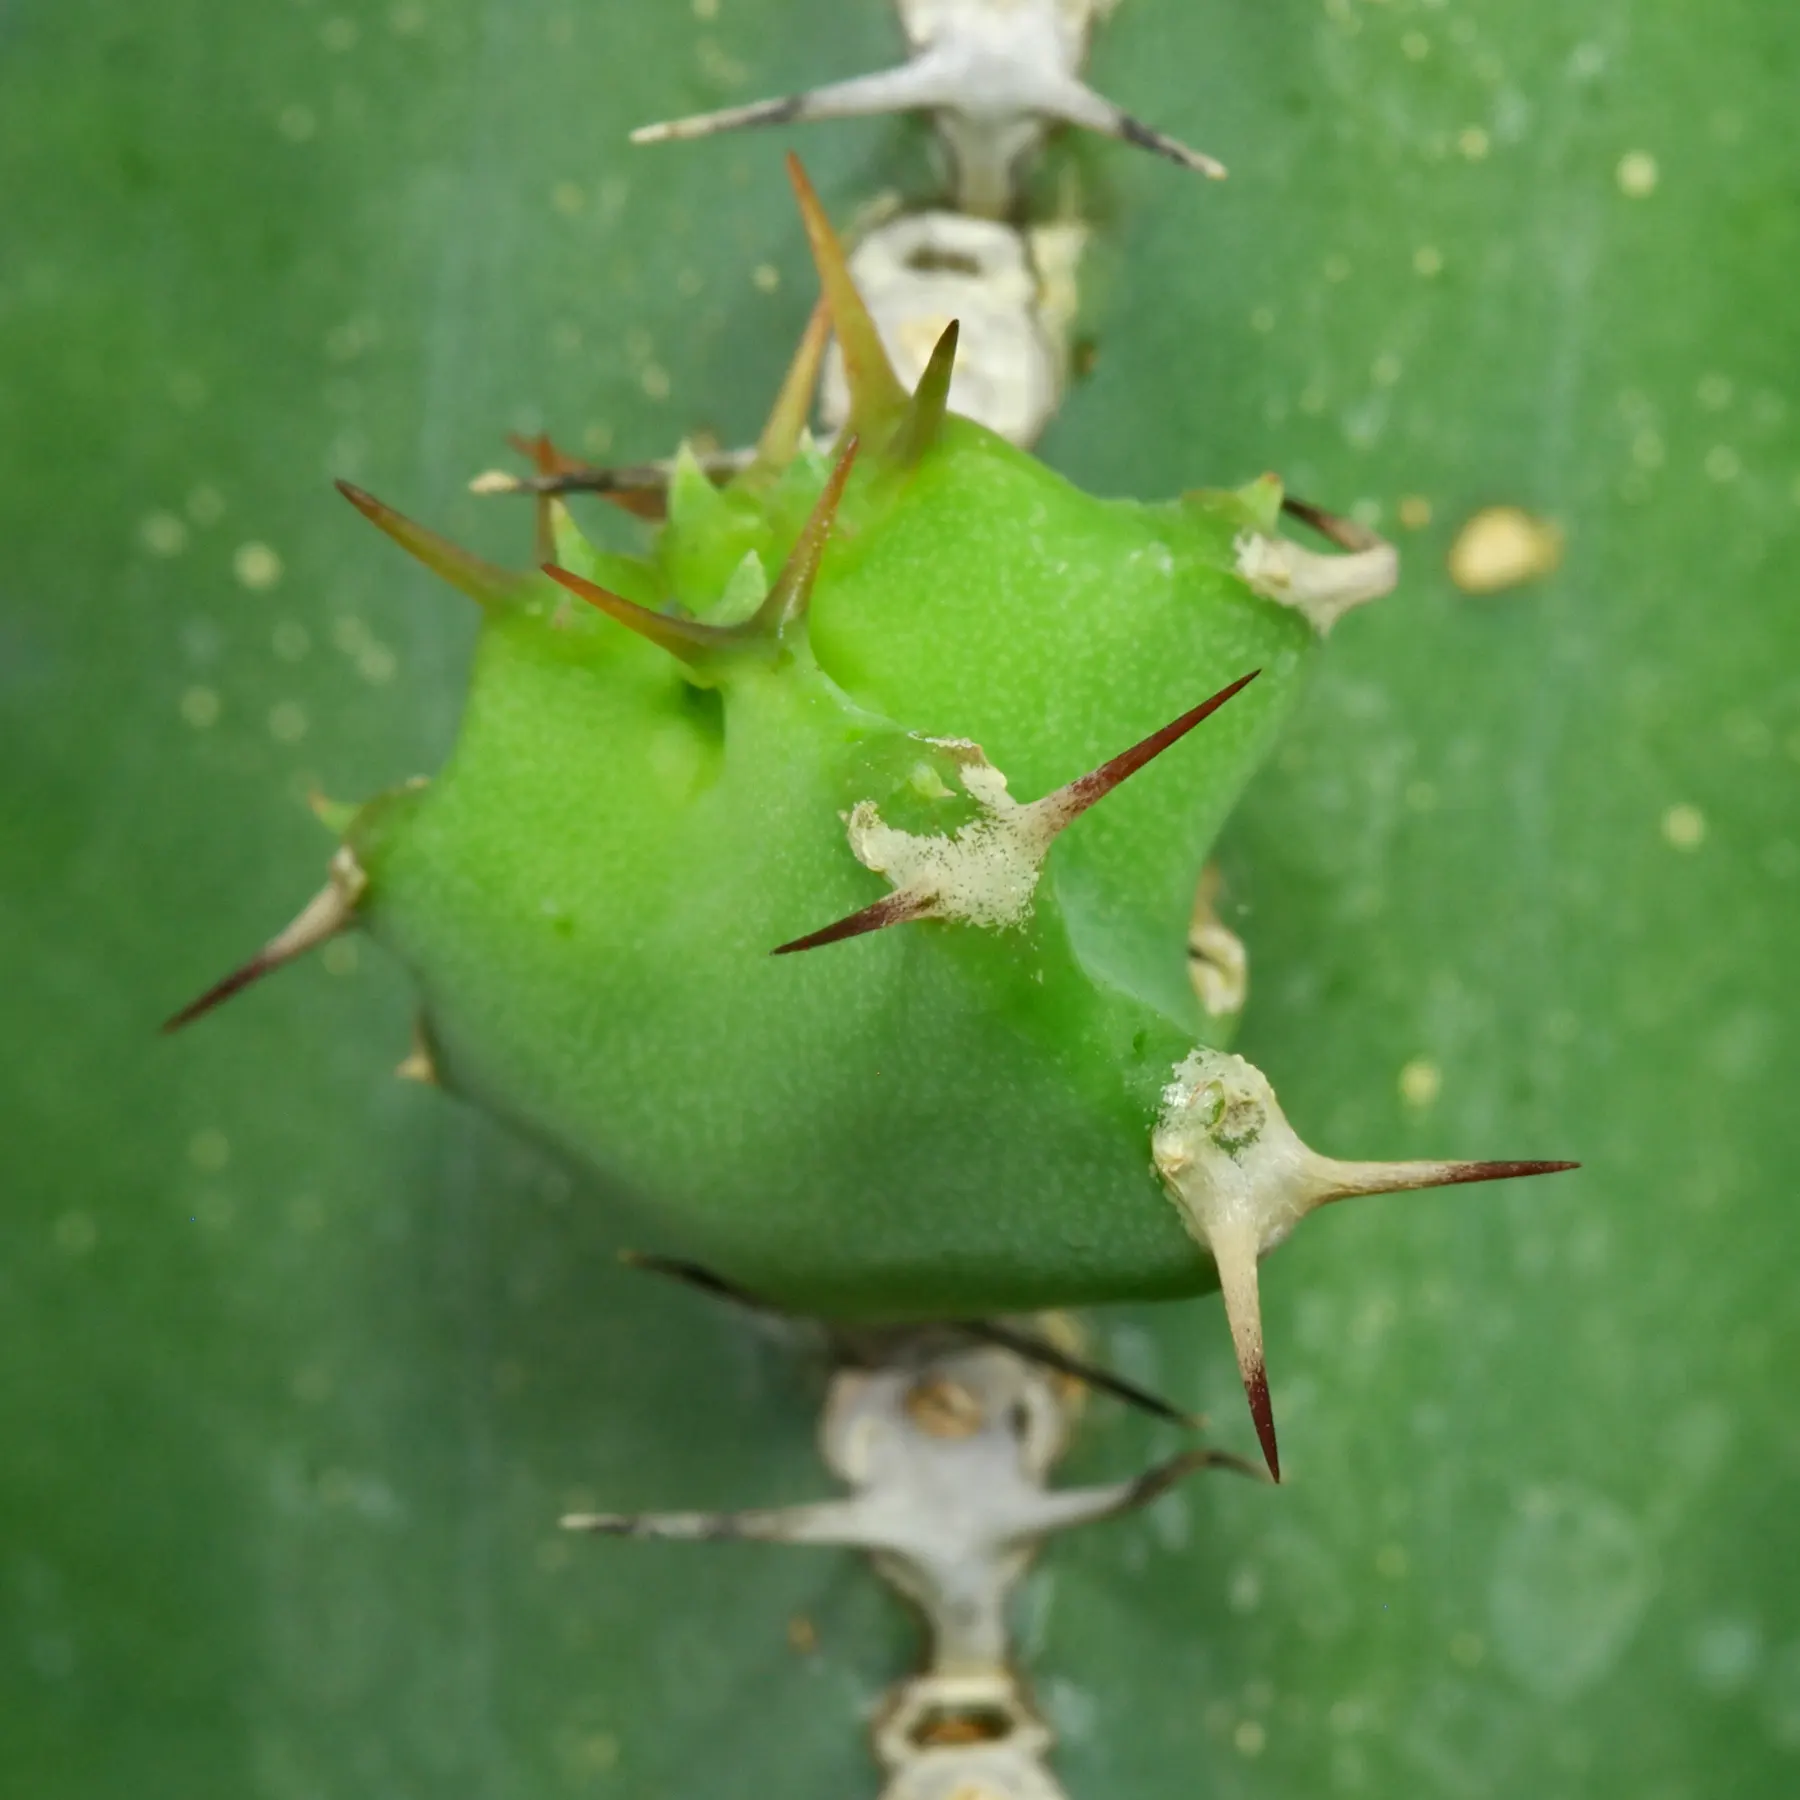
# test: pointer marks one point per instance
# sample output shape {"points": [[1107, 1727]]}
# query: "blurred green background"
{"points": [[299, 1364]]}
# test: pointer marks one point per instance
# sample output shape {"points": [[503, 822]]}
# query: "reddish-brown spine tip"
{"points": [[924, 420], [1262, 1414], [1088, 789], [895, 909], [482, 581], [1502, 1171], [877, 400], [789, 597], [686, 639], [258, 966]]}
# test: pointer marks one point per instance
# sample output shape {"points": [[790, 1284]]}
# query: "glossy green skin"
{"points": [[932, 1119]]}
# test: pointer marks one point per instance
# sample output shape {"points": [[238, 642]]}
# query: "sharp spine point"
{"points": [[877, 400], [327, 913], [1352, 1180], [1087, 790], [693, 642], [1235, 1250], [890, 909], [925, 413], [485, 583], [791, 593]]}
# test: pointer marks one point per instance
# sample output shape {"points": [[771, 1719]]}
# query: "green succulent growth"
{"points": [[922, 710]]}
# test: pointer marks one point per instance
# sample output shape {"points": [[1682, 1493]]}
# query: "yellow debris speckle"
{"points": [[1502, 546], [1428, 261], [1684, 827], [1250, 1737], [256, 566], [1637, 174], [1414, 511], [1421, 1081], [765, 278], [1472, 141], [568, 198]]}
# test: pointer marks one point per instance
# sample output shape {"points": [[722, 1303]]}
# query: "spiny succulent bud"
{"points": [[671, 765]]}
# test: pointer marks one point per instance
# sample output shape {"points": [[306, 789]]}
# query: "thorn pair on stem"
{"points": [[994, 74]]}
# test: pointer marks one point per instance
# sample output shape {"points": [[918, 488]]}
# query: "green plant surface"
{"points": [[299, 1364]]}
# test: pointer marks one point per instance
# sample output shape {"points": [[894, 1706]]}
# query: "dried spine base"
{"points": [[947, 1450]]}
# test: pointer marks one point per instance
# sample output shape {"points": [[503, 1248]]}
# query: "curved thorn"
{"points": [[930, 402], [1233, 1243], [788, 598], [877, 399], [484, 582], [690, 640]]}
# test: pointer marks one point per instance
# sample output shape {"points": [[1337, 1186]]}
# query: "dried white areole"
{"points": [[1321, 588], [1012, 293], [994, 74], [1242, 1179]]}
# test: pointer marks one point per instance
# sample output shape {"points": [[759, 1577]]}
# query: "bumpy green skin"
{"points": [[935, 1118]]}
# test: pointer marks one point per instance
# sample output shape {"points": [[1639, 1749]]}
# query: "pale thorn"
{"points": [[995, 73], [1241, 1179], [329, 911], [1321, 588], [1218, 963]]}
